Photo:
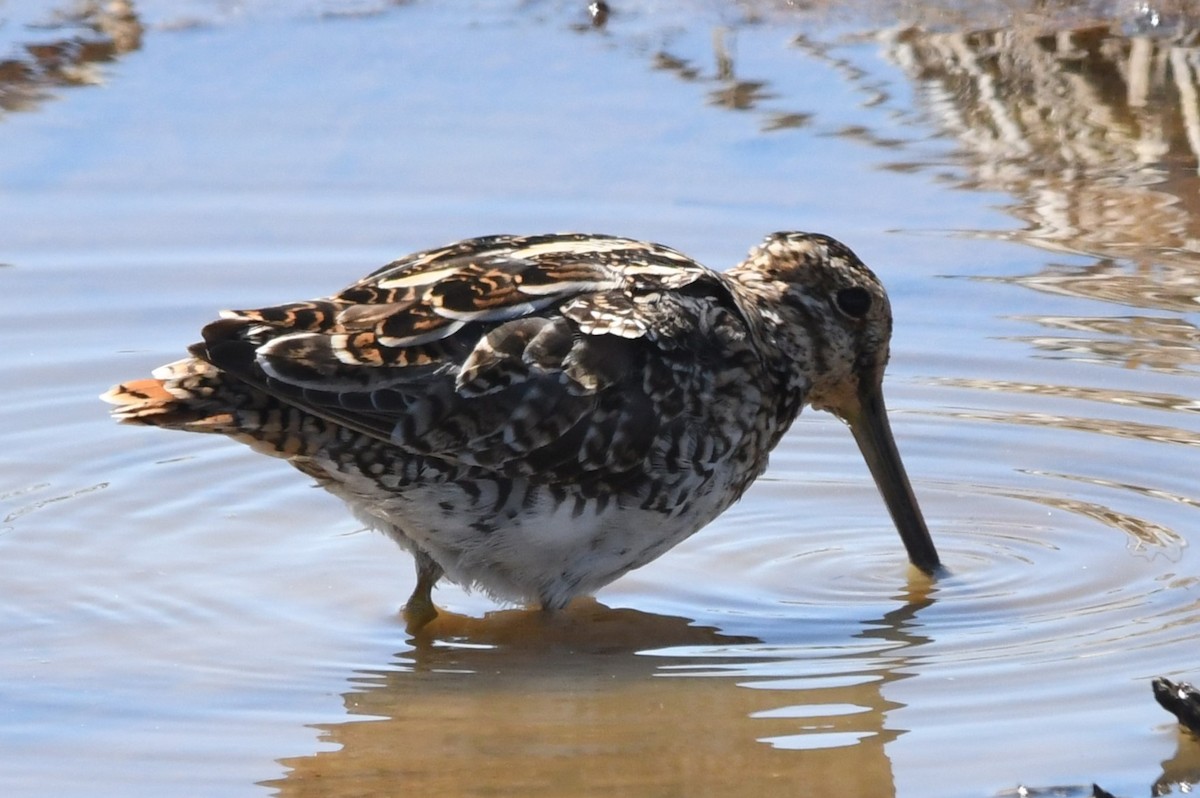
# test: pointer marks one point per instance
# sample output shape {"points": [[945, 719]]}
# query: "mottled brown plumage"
{"points": [[537, 415]]}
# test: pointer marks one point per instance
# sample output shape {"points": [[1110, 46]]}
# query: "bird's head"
{"points": [[830, 328]]}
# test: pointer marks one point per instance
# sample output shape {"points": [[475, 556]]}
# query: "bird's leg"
{"points": [[420, 609]]}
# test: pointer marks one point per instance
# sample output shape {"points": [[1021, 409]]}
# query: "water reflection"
{"points": [[1161, 343], [1149, 400], [620, 701], [1180, 773], [732, 93], [1097, 135], [88, 33], [728, 90], [1035, 100], [1171, 285], [1122, 429], [1158, 343]]}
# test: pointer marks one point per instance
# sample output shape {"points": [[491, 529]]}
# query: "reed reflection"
{"points": [[1167, 344], [1158, 343], [86, 34], [1096, 134], [619, 701], [728, 90]]}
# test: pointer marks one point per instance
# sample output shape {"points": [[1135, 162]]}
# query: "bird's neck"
{"points": [[784, 343]]}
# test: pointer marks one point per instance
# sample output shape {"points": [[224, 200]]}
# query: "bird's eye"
{"points": [[854, 302]]}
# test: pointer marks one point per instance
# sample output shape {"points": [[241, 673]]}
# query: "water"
{"points": [[182, 617]]}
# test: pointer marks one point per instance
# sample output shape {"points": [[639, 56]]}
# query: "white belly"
{"points": [[527, 546]]}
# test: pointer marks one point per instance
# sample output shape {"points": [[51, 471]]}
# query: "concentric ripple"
{"points": [[1027, 573]]}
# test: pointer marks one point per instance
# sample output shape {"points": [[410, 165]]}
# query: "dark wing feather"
{"points": [[536, 355]]}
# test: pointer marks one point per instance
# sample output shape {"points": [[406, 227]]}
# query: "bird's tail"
{"points": [[196, 396], [188, 394]]}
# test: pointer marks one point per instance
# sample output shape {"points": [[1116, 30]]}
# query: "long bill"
{"points": [[869, 424]]}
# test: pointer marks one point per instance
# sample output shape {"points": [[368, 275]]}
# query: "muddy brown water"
{"points": [[182, 617]]}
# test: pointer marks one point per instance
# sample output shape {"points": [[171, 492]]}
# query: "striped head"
{"points": [[827, 328], [831, 315]]}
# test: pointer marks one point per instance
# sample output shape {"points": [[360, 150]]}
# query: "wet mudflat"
{"points": [[183, 617]]}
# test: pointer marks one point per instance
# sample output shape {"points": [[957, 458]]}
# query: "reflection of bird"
{"points": [[535, 416]]}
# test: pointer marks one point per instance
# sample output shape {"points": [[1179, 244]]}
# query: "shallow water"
{"points": [[183, 617]]}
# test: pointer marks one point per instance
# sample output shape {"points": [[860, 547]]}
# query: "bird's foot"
{"points": [[418, 612]]}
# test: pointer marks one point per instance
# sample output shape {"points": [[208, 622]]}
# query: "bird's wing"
{"points": [[536, 355]]}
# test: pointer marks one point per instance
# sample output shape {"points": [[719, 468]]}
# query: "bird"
{"points": [[534, 416]]}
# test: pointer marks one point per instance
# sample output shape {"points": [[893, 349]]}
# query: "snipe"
{"points": [[535, 416]]}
